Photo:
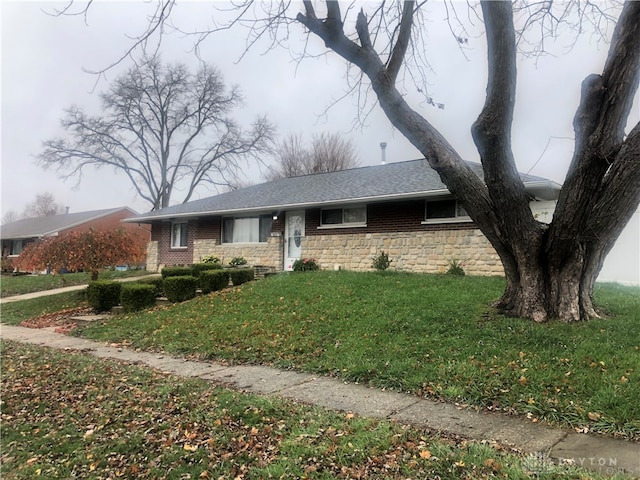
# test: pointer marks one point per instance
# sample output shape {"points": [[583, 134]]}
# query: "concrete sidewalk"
{"points": [[544, 444]]}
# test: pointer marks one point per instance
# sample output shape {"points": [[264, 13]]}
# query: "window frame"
{"points": [[183, 225], [12, 247], [343, 224], [263, 234], [457, 218]]}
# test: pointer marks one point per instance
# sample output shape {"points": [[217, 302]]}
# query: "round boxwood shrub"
{"points": [[103, 295], [176, 272], [241, 275], [198, 268], [213, 280], [156, 282], [181, 288], [137, 296]]}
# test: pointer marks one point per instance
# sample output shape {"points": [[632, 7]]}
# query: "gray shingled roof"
{"points": [[393, 181], [52, 224]]}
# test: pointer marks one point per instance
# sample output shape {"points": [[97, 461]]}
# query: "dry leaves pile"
{"points": [[60, 319], [68, 415]]}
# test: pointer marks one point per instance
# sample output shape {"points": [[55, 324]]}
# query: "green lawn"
{"points": [[69, 415], [18, 285], [431, 335]]}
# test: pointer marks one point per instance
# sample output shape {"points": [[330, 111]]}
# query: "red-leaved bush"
{"points": [[89, 251]]}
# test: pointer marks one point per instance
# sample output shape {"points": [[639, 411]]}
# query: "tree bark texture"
{"points": [[550, 269]]}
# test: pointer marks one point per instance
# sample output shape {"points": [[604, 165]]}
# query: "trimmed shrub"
{"points": [[198, 268], [180, 288], [241, 275], [176, 272], [213, 280], [103, 295], [156, 282], [137, 296]]}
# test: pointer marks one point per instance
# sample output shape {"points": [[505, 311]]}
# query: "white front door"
{"points": [[294, 232]]}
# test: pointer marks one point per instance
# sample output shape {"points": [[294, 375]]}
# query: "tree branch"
{"points": [[492, 130], [400, 48]]}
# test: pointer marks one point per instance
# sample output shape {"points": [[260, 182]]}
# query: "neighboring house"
{"points": [[16, 235], [342, 219]]}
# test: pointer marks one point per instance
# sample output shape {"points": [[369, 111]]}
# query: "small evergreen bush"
{"points": [[198, 268], [137, 296], [176, 272], [241, 275], [381, 262], [213, 280], [103, 295], [305, 265], [156, 282], [180, 288]]}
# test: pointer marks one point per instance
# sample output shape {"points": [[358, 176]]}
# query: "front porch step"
{"points": [[84, 320]]}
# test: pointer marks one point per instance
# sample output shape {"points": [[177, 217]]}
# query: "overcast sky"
{"points": [[43, 58]]}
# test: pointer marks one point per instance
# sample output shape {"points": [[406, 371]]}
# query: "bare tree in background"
{"points": [[164, 128], [10, 216], [43, 206], [550, 269], [329, 152]]}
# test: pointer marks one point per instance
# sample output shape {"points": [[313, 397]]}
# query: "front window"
{"points": [[347, 216], [445, 210], [16, 247], [246, 229], [179, 235]]}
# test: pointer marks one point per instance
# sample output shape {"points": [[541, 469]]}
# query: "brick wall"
{"points": [[203, 239], [174, 256]]}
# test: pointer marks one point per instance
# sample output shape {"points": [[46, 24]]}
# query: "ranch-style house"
{"points": [[341, 219]]}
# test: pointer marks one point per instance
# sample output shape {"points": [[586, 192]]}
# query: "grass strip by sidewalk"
{"points": [[15, 312], [70, 415], [431, 335], [19, 285]]}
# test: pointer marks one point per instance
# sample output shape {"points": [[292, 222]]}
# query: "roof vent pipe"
{"points": [[383, 151]]}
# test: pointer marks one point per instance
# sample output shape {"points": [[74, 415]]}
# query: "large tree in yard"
{"points": [[165, 128], [550, 269]]}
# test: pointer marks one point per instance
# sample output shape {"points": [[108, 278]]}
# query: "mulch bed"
{"points": [[61, 319]]}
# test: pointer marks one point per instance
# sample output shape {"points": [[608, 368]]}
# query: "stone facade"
{"points": [[426, 252], [152, 256], [267, 254], [397, 228]]}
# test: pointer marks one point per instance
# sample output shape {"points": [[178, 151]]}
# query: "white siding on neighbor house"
{"points": [[543, 210], [622, 265]]}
